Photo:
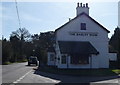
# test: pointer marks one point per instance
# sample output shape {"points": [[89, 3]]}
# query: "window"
{"points": [[52, 57], [63, 60], [83, 60], [83, 26], [79, 60]]}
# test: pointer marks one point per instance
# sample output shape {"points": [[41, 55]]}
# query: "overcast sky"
{"points": [[47, 16]]}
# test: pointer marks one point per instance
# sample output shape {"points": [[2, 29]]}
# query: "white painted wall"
{"points": [[95, 61], [50, 63], [58, 54], [100, 42], [112, 56]]}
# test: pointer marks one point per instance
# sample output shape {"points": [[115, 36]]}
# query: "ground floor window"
{"points": [[63, 59], [80, 59], [52, 57]]}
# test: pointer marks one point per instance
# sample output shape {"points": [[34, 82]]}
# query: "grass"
{"points": [[82, 72], [117, 71], [7, 63], [25, 60]]}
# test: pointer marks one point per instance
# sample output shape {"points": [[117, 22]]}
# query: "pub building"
{"points": [[81, 43]]}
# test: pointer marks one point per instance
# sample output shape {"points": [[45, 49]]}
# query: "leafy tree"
{"points": [[47, 40], [15, 42], [22, 34], [41, 43], [115, 43], [7, 51], [20, 46], [28, 50], [18, 39]]}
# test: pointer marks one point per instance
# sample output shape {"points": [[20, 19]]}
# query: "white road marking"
{"points": [[45, 78], [22, 77]]}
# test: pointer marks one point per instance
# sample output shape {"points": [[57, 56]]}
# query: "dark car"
{"points": [[32, 60]]}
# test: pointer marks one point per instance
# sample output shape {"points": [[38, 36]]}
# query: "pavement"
{"points": [[21, 73], [42, 77]]}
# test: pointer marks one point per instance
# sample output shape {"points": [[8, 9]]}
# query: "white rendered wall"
{"points": [[50, 63], [112, 56], [100, 42]]}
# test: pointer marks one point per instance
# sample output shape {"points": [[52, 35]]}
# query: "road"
{"points": [[20, 73], [14, 71]]}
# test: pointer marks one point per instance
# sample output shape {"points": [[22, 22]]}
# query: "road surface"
{"points": [[21, 73], [12, 72]]}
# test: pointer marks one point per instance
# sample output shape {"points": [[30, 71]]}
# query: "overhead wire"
{"points": [[18, 13]]}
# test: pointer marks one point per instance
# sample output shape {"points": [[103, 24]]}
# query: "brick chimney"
{"points": [[82, 8]]}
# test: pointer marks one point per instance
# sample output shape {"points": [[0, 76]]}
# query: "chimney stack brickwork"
{"points": [[82, 8]]}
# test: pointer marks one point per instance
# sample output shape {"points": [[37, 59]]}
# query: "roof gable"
{"points": [[86, 16]]}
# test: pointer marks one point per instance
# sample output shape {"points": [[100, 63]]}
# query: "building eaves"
{"points": [[79, 16]]}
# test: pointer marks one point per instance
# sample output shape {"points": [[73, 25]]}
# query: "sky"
{"points": [[119, 13], [46, 16]]}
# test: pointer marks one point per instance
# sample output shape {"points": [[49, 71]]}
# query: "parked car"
{"points": [[32, 60]]}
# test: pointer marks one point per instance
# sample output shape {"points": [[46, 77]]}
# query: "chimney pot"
{"points": [[80, 4], [86, 4], [83, 5]]}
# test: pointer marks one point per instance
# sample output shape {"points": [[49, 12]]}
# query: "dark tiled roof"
{"points": [[73, 47], [86, 16]]}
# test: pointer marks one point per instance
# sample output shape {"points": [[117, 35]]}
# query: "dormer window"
{"points": [[83, 26]]}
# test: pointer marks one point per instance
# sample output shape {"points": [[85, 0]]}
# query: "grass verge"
{"points": [[7, 63], [25, 60], [117, 71]]}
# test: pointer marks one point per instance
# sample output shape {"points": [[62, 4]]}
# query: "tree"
{"points": [[115, 43], [28, 50], [41, 43], [20, 46], [21, 36], [114, 40], [7, 51], [15, 42], [47, 39], [21, 33]]}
